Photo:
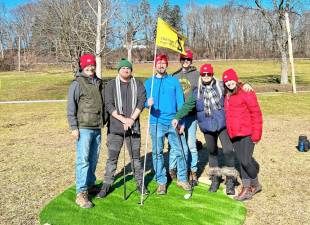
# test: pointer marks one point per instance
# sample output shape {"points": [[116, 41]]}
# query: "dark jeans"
{"points": [[244, 148], [114, 144], [211, 141]]}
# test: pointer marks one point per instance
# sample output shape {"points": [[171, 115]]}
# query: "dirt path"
{"points": [[37, 161]]}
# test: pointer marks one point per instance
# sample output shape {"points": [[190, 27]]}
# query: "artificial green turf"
{"points": [[201, 208]]}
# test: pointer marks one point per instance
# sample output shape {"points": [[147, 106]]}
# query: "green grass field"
{"points": [[37, 157], [52, 83], [201, 208]]}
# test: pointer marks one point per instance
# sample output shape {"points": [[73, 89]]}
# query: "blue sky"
{"points": [[13, 3]]}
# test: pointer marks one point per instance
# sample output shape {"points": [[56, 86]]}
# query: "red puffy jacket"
{"points": [[243, 115]]}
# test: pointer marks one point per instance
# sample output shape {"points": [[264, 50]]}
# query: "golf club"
{"points": [[189, 194], [124, 175]]}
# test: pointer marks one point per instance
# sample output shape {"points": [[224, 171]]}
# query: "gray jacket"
{"points": [[74, 94]]}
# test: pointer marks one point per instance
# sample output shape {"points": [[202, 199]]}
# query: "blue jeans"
{"points": [[190, 135], [158, 132], [87, 152]]}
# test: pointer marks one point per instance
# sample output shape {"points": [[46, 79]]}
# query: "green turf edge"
{"points": [[220, 209]]}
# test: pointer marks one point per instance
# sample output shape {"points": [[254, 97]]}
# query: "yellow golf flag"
{"points": [[168, 37]]}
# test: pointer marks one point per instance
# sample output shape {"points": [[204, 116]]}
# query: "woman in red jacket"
{"points": [[244, 127]]}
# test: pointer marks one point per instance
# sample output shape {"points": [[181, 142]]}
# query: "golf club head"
{"points": [[188, 196]]}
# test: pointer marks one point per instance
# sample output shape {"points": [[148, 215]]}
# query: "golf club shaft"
{"points": [[124, 175], [183, 153]]}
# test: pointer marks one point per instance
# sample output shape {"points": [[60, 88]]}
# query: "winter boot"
{"points": [[173, 175], [245, 194], [255, 186], [161, 189], [216, 180], [83, 201], [230, 185], [104, 190], [193, 178], [184, 185]]}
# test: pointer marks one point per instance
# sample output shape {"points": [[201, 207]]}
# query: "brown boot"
{"points": [[161, 189], [184, 185], [82, 200], [256, 188], [193, 178], [173, 174], [245, 194]]}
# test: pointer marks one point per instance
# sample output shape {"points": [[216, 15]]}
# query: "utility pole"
{"points": [[18, 53], [290, 51], [98, 40]]}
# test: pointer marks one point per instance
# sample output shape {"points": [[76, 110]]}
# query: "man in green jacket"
{"points": [[85, 113]]}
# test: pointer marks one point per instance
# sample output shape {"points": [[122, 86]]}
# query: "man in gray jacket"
{"points": [[124, 99], [188, 77], [85, 112]]}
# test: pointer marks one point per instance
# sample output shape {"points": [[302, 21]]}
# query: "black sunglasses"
{"points": [[206, 74], [186, 59]]}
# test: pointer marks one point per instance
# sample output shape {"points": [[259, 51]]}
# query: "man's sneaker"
{"points": [[82, 200], [103, 191], [173, 174], [93, 190], [161, 189], [184, 185]]}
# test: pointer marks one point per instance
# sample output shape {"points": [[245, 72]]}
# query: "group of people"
{"points": [[223, 109]]}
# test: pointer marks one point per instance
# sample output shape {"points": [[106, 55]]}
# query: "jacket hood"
{"points": [[81, 74], [191, 69]]}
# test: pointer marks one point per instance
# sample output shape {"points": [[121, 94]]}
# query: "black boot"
{"points": [[230, 185], [216, 180], [104, 190]]}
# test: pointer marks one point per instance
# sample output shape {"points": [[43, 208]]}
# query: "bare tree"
{"points": [[132, 19], [276, 21]]}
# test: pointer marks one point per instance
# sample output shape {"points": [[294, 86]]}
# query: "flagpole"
{"points": [[148, 126]]}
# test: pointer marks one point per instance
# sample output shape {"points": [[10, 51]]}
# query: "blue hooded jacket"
{"points": [[167, 96]]}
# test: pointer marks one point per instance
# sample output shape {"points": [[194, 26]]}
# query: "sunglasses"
{"points": [[186, 59], [206, 74]]}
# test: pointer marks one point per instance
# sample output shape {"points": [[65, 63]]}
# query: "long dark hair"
{"points": [[234, 91]]}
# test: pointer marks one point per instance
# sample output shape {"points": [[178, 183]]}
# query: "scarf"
{"points": [[211, 98], [119, 102]]}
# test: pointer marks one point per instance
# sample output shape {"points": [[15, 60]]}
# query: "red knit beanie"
{"points": [[161, 57], [188, 55], [229, 74], [206, 68], [87, 59]]}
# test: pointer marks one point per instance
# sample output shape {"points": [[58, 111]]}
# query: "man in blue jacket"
{"points": [[166, 98]]}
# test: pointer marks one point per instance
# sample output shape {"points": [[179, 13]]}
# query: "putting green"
{"points": [[201, 208]]}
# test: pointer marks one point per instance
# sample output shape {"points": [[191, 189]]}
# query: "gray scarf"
{"points": [[119, 103]]}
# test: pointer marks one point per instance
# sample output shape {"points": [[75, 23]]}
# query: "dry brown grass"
{"points": [[37, 160]]}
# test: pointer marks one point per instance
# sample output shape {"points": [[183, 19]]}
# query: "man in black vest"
{"points": [[85, 112], [124, 98]]}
